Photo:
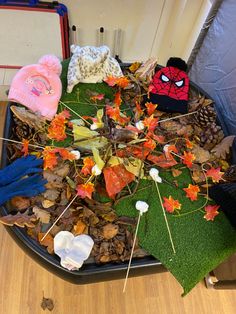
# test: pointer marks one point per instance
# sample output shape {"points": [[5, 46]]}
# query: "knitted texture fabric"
{"points": [[91, 65], [38, 86]]}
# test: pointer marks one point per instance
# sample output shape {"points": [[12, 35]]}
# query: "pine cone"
{"points": [[211, 136], [205, 115]]}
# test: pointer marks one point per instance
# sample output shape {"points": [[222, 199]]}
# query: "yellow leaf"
{"points": [[98, 160], [87, 138]]}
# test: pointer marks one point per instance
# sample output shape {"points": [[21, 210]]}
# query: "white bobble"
{"points": [[142, 207], [93, 126], [76, 153], [154, 174], [139, 125], [96, 171], [165, 148]]}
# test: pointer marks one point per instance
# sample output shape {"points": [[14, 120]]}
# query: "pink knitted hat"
{"points": [[38, 86]]}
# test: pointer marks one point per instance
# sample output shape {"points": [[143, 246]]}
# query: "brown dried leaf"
{"points": [[47, 241], [62, 170], [47, 203], [223, 148], [176, 172], [111, 216], [47, 304], [20, 220], [41, 214], [109, 231], [27, 116], [198, 176], [79, 228], [201, 155], [20, 202], [51, 194], [54, 180]]}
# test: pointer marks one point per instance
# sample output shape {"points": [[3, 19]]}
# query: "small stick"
{"points": [[176, 117], [132, 252], [59, 217], [75, 113], [18, 142], [164, 213]]}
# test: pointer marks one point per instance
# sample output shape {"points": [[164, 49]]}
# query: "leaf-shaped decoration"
{"points": [[88, 139], [223, 147], [20, 220]]}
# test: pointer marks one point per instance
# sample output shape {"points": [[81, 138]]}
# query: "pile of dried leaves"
{"points": [[101, 159]]}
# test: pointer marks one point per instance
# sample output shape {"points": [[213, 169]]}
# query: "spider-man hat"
{"points": [[169, 87]]}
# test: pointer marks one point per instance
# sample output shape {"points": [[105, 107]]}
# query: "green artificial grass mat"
{"points": [[200, 245]]}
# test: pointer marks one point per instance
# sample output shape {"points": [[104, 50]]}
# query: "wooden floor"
{"points": [[23, 282]]}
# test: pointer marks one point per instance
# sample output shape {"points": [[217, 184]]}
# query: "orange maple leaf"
{"points": [[25, 148], [150, 122], [171, 204], [192, 191], [189, 144], [211, 212], [65, 154], [97, 97], [110, 80], [150, 108], [162, 161], [57, 127], [122, 82], [85, 190], [65, 114], [138, 111], [116, 178], [215, 174], [115, 114], [117, 99], [188, 159], [88, 165], [150, 144], [49, 158]]}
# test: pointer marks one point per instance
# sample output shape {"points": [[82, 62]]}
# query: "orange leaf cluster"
{"points": [[171, 204], [150, 108], [57, 127], [211, 212], [85, 190], [88, 164], [215, 174], [50, 157], [25, 148], [188, 159], [192, 192], [122, 82], [65, 154], [150, 122], [116, 178]]}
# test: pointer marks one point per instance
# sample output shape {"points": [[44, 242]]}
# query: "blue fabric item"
{"points": [[19, 168], [31, 186], [214, 68]]}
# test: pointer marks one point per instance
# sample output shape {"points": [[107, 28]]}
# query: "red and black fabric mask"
{"points": [[169, 89]]}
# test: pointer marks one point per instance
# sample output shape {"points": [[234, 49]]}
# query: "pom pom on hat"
{"points": [[51, 63]]}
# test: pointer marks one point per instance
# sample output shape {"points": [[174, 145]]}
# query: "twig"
{"points": [[132, 252], [176, 117], [164, 213], [18, 142]]}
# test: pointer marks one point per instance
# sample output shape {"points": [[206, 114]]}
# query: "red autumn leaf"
{"points": [[138, 111], [111, 81], [188, 159], [57, 127], [189, 144], [25, 148], [168, 149], [97, 97], [65, 154], [150, 122], [162, 161], [171, 204], [158, 138], [85, 190], [49, 158], [150, 144], [88, 165], [116, 178], [122, 82], [117, 99], [115, 114], [215, 174], [150, 108], [65, 114], [192, 191], [211, 212]]}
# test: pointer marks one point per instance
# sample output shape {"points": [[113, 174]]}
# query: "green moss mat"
{"points": [[200, 245]]}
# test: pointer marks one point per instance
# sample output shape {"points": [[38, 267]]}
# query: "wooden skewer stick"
{"points": [[59, 217], [132, 252], [18, 142], [166, 221], [176, 117], [76, 113]]}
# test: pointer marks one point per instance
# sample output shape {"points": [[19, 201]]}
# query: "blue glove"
{"points": [[29, 187], [19, 168]]}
